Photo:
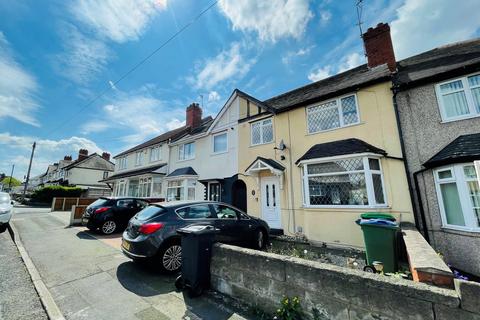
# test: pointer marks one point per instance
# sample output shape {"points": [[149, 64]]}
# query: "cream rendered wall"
{"points": [[84, 176], [330, 225], [146, 159]]}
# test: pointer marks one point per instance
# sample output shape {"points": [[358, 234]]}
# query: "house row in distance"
{"points": [[397, 137]]}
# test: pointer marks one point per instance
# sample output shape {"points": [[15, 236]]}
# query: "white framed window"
{"points": [[186, 151], [337, 113], [220, 142], [122, 163], [105, 175], [261, 132], [157, 187], [458, 195], [155, 153], [181, 189], [344, 182], [121, 188], [145, 187], [460, 98], [139, 158]]}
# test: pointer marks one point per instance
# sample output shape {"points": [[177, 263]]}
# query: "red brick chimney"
{"points": [[67, 158], [106, 156], [378, 47], [82, 154], [194, 115]]}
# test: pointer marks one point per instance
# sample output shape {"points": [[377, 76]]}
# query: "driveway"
{"points": [[89, 277]]}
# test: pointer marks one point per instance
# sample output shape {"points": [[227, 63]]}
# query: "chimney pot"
{"points": [[193, 115], [379, 47], [68, 158], [82, 154], [106, 156]]}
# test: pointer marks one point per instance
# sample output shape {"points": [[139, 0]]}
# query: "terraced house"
{"points": [[316, 157]]}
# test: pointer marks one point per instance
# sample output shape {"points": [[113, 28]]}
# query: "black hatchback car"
{"points": [[152, 233], [111, 214]]}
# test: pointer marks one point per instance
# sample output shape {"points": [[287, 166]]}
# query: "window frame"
{"points": [[458, 177], [262, 124], [156, 150], [213, 142], [139, 157], [122, 163], [338, 101], [184, 184], [468, 97], [181, 151], [368, 181]]}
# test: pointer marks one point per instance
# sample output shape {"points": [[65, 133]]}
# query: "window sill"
{"points": [[461, 118], [334, 129], [184, 160], [346, 207], [260, 144], [218, 153], [461, 229]]}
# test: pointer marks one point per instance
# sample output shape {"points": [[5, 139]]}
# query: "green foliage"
{"points": [[290, 309], [46, 194], [14, 183], [259, 314]]}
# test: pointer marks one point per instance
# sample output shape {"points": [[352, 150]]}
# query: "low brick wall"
{"points": [[261, 279]]}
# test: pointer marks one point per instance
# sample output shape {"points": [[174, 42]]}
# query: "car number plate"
{"points": [[126, 244]]}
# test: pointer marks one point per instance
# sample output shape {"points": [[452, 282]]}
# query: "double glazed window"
{"points": [[355, 181], [139, 158], [262, 132], [181, 190], [122, 163], [186, 151], [333, 114], [459, 196], [459, 98], [155, 153], [220, 143], [145, 187]]}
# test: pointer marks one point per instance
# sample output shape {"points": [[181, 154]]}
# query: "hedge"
{"points": [[46, 194]]}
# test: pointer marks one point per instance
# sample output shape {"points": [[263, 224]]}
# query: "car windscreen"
{"points": [[149, 212], [100, 202], [4, 199]]}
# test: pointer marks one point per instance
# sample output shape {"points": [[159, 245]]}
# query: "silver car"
{"points": [[6, 208]]}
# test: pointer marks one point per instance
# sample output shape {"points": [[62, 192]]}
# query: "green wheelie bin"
{"points": [[380, 236]]}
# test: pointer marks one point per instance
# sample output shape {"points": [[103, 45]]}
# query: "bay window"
{"points": [[145, 187], [458, 195], [459, 98], [183, 189], [186, 151], [262, 132], [352, 181], [157, 187], [333, 114]]}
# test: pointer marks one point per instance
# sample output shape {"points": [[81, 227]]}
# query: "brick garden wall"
{"points": [[261, 279]]}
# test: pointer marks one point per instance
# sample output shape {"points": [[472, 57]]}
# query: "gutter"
{"points": [[395, 90]]}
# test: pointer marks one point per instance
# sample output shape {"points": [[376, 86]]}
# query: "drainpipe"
{"points": [[395, 90], [290, 187]]}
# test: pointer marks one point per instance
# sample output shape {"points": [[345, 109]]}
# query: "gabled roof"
{"points": [[340, 148], [152, 169], [102, 164], [442, 62], [169, 135], [203, 127], [269, 162], [465, 148], [330, 87], [186, 171]]}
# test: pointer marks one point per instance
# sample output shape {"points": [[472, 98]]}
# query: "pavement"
{"points": [[89, 278], [18, 298]]}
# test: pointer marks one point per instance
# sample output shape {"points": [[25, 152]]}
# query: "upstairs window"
{"points": [[122, 163], [105, 175], [460, 98], [186, 151], [155, 153], [262, 132], [333, 114], [220, 143], [139, 158]]}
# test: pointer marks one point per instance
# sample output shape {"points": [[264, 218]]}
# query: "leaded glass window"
{"points": [[332, 114]]}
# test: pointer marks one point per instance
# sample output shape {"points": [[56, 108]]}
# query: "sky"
{"points": [[65, 79]]}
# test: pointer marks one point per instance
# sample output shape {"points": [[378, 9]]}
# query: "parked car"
{"points": [[111, 214], [152, 233], [6, 208]]}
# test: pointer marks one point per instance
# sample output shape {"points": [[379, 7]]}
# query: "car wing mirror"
{"points": [[11, 202]]}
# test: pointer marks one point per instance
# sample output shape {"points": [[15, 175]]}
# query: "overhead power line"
{"points": [[135, 67]]}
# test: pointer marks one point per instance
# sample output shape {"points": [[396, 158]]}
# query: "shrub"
{"points": [[290, 309], [46, 194]]}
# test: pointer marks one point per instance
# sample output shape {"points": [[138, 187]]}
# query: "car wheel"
{"points": [[108, 227], [260, 239], [170, 257]]}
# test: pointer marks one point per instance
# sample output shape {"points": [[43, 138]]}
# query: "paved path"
{"points": [[89, 279], [18, 298]]}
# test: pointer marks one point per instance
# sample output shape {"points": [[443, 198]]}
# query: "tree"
{"points": [[6, 182]]}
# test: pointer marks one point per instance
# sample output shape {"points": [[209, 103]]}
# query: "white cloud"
{"points": [[95, 126], [325, 16], [118, 20], [424, 25], [17, 88], [46, 152], [351, 61], [83, 58], [174, 124], [290, 55], [213, 96], [320, 73], [228, 64], [271, 20]]}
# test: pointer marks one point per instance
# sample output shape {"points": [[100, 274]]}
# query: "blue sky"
{"points": [[56, 56]]}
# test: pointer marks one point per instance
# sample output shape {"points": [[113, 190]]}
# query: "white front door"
{"points": [[270, 194]]}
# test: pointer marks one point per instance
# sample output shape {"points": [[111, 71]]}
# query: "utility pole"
{"points": [[10, 181], [28, 172]]}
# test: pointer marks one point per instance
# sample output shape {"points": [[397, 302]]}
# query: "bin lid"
{"points": [[377, 215], [198, 229], [383, 223]]}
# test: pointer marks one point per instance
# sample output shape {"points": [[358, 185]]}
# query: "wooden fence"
{"points": [[65, 204]]}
